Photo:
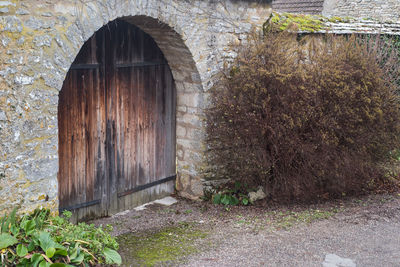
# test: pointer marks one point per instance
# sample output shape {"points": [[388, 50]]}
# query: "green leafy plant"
{"points": [[42, 240], [235, 195]]}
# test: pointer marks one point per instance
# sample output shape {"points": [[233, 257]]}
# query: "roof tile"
{"points": [[298, 6]]}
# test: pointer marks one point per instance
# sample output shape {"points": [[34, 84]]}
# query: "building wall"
{"points": [[382, 10], [39, 40]]}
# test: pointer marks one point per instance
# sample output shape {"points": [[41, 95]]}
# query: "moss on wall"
{"points": [[299, 22]]}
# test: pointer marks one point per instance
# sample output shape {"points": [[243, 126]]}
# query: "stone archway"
{"points": [[189, 106], [39, 41]]}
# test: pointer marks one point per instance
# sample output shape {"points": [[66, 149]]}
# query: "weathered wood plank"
{"points": [[116, 123]]}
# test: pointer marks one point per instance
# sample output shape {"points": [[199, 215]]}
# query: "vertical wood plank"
{"points": [[116, 124]]}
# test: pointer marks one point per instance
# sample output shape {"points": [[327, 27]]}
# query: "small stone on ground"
{"points": [[332, 260], [166, 201], [122, 213]]}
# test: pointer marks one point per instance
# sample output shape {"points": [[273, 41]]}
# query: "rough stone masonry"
{"points": [[39, 40]]}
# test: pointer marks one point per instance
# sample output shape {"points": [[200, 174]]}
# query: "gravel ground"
{"points": [[365, 230]]}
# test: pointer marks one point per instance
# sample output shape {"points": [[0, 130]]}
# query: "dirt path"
{"points": [[365, 230]]}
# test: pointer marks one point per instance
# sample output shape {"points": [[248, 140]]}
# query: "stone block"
{"points": [[195, 133], [184, 181], [180, 131], [192, 120], [42, 40], [197, 187], [190, 99], [180, 153], [23, 80]]}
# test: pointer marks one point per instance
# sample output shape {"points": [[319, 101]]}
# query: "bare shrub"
{"points": [[304, 118]]}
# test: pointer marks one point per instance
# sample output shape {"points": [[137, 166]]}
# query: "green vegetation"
{"points": [[188, 211], [40, 239], [236, 194], [286, 220], [165, 246], [299, 22]]}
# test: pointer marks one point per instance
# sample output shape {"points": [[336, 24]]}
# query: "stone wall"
{"points": [[39, 40], [382, 10]]}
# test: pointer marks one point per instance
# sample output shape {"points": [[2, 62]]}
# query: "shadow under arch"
{"points": [[178, 55]]}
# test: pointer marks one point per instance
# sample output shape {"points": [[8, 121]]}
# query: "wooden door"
{"points": [[116, 124]]}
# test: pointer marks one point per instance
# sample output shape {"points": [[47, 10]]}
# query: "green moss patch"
{"points": [[288, 219], [299, 22], [167, 245]]}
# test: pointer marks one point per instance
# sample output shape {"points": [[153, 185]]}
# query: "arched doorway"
{"points": [[116, 119]]}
